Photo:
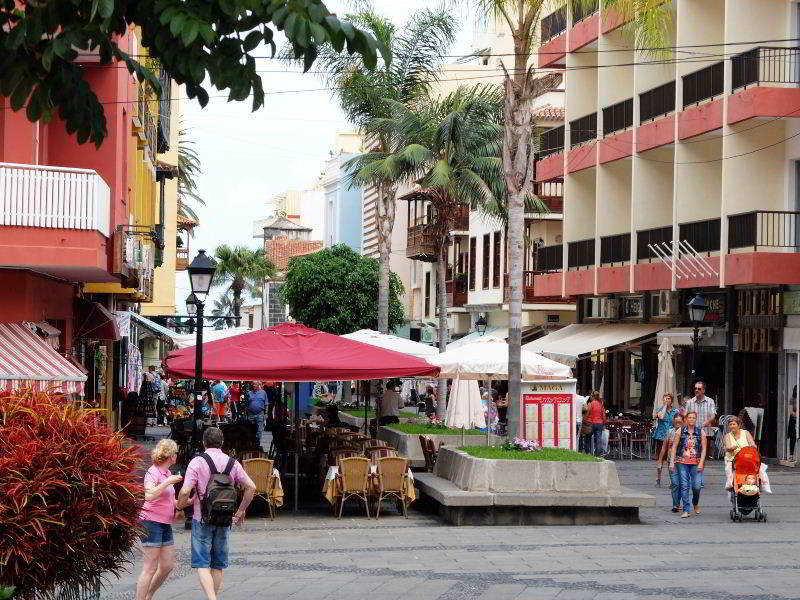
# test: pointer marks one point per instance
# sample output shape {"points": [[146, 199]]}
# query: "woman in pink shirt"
{"points": [[156, 518]]}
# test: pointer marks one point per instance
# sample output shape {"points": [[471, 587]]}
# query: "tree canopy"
{"points": [[336, 290], [192, 39]]}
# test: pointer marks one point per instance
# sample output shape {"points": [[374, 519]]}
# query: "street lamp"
{"points": [[480, 324], [697, 315], [201, 273]]}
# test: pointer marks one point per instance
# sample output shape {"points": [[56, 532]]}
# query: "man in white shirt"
{"points": [[705, 407]]}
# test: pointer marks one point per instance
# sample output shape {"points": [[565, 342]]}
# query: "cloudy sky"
{"points": [[249, 157]]}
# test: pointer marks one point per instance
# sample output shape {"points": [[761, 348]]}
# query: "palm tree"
{"points": [[189, 169], [222, 310], [522, 84], [451, 151], [650, 22], [241, 269], [414, 52]]}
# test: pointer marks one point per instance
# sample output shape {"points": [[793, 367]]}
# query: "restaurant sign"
{"points": [[716, 308]]}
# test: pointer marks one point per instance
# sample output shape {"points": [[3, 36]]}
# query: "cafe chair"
{"points": [[260, 470], [376, 454], [429, 451], [353, 481], [391, 481]]}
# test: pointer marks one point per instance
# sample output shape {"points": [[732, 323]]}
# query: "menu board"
{"points": [[549, 419]]}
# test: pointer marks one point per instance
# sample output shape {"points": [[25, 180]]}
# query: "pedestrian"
{"points": [[596, 417], [664, 415], [256, 405], [389, 404], [705, 408], [430, 400], [791, 430], [235, 395], [674, 477], [736, 439], [220, 397], [688, 457], [209, 486], [158, 512]]}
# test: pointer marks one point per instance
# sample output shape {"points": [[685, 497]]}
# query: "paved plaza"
{"points": [[314, 556]]}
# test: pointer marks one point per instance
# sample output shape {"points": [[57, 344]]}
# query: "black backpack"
{"points": [[221, 497]]}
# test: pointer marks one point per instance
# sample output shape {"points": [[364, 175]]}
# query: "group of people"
{"points": [[212, 482]]}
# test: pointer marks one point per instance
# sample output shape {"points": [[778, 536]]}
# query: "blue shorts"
{"points": [[157, 535], [209, 546]]}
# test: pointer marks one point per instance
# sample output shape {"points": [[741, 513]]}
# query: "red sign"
{"points": [[548, 419]]}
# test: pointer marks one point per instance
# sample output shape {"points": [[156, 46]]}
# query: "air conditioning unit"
{"points": [[665, 304], [609, 308]]}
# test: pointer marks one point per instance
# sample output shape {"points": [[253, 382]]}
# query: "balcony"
{"points": [[698, 116], [615, 249], [617, 139], [56, 220], [580, 254], [422, 243], [181, 259], [773, 241], [703, 84], [528, 291], [457, 291], [134, 258], [765, 83], [585, 24], [583, 130], [553, 48], [702, 236], [651, 237]]}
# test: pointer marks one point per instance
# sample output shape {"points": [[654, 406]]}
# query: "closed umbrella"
{"points": [[665, 382], [464, 406]]}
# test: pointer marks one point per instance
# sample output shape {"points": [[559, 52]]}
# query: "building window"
{"points": [[485, 260], [250, 321], [428, 294], [496, 259], [472, 259]]}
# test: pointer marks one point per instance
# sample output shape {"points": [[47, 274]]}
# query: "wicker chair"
{"points": [[391, 481], [251, 454], [353, 481], [376, 454], [260, 471], [429, 451]]}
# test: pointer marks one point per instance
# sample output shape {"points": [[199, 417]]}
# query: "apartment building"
{"points": [[680, 179], [82, 230]]}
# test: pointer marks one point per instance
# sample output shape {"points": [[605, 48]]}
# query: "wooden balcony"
{"points": [[423, 243], [181, 259], [528, 293], [457, 292], [460, 220]]}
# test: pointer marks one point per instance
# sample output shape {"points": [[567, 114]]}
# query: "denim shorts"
{"points": [[209, 546], [157, 534]]}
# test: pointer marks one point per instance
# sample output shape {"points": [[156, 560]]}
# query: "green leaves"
{"points": [[199, 42]]}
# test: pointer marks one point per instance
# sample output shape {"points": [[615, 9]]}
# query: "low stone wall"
{"points": [[351, 420], [408, 444], [490, 475]]}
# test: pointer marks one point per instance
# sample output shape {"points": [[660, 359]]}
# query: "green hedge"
{"points": [[549, 454]]}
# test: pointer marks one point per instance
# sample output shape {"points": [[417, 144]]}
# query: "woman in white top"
{"points": [[736, 439]]}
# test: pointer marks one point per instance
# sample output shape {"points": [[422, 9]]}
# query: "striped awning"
{"points": [[28, 360]]}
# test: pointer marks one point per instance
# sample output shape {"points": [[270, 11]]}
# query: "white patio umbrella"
{"points": [[392, 342], [665, 381], [487, 359], [464, 406], [187, 340]]}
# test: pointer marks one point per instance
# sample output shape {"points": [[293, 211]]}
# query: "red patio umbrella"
{"points": [[294, 352]]}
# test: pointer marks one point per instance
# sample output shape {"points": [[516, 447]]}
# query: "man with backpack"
{"points": [[210, 485]]}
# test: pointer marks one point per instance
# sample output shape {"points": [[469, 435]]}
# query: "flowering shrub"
{"points": [[436, 422], [69, 495], [520, 444]]}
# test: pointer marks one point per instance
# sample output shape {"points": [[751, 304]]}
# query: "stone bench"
{"points": [[465, 490], [407, 444]]}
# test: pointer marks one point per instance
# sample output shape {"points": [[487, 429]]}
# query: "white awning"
{"points": [[567, 344], [491, 333], [684, 336]]}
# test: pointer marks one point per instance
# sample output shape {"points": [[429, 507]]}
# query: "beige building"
{"points": [[681, 179]]}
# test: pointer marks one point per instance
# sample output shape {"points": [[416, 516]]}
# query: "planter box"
{"points": [[408, 443], [465, 490]]}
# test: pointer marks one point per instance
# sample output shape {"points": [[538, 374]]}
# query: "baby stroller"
{"points": [[747, 462]]}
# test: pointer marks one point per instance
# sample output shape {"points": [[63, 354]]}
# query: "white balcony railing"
{"points": [[54, 197]]}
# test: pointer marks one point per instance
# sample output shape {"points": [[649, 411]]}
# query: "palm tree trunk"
{"points": [[517, 166], [384, 223], [237, 306], [441, 304]]}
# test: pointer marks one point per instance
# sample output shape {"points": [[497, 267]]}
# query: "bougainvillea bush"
{"points": [[69, 495]]}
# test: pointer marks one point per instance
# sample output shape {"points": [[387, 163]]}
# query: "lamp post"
{"points": [[697, 314], [201, 273]]}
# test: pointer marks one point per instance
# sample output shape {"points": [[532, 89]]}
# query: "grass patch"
{"points": [[549, 454], [418, 428], [359, 412]]}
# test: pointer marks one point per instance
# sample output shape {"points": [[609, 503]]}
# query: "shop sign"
{"points": [[791, 303], [549, 419], [716, 308], [632, 307], [553, 318]]}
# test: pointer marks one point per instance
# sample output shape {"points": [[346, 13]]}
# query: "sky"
{"points": [[249, 157]]}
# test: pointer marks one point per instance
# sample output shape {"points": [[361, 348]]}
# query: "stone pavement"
{"points": [[314, 556]]}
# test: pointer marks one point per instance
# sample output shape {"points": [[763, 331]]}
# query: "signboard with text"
{"points": [[549, 419]]}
